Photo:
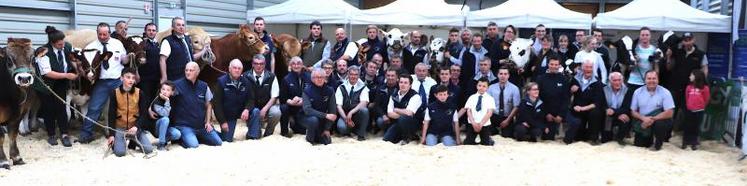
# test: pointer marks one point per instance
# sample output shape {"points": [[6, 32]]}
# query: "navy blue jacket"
{"points": [[189, 104], [230, 98]]}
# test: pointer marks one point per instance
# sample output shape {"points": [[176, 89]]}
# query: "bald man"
{"points": [[414, 52], [231, 100], [191, 110], [343, 49]]}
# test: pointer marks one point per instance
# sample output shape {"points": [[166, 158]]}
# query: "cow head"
{"points": [[289, 45], [520, 51], [362, 49], [136, 51], [18, 56], [394, 38], [624, 48], [437, 48], [669, 40], [251, 40], [91, 69]]}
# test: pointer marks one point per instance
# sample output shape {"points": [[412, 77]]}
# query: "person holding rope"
{"points": [[124, 114], [108, 80], [57, 71], [643, 51]]}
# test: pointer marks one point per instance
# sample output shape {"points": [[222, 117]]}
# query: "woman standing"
{"points": [[56, 69]]}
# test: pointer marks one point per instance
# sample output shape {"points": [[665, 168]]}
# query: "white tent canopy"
{"points": [[530, 13], [413, 12], [662, 15], [305, 11]]}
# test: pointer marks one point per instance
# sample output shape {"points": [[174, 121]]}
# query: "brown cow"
{"points": [[242, 45], [17, 80], [288, 47]]}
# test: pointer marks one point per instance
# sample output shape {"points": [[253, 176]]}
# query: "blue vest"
{"points": [[442, 116], [234, 95], [376, 47], [292, 86], [339, 50], [320, 97], [178, 58], [189, 104], [151, 70]]}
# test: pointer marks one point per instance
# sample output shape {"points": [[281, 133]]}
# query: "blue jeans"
{"points": [[360, 118], [227, 136], [166, 133], [99, 96], [120, 143], [432, 140], [255, 122], [190, 137], [314, 128]]}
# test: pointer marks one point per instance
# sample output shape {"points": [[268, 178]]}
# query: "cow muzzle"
{"points": [[24, 79]]}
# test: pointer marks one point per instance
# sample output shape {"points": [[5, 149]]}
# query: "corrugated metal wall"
{"points": [[266, 3], [92, 12], [217, 17], [27, 19]]}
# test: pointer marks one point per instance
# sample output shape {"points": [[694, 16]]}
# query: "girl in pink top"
{"points": [[696, 99]]}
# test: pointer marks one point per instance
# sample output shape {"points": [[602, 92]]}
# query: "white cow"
{"points": [[394, 41], [437, 49], [520, 51]]}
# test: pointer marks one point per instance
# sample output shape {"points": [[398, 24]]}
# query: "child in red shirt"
{"points": [[696, 99]]}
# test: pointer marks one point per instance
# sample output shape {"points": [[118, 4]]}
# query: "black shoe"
{"points": [[52, 141], [694, 147], [66, 141], [361, 138], [595, 143], [326, 140], [84, 140], [286, 134], [657, 148], [161, 147], [621, 142], [684, 146], [404, 142]]}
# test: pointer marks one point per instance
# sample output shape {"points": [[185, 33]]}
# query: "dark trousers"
{"points": [[150, 91], [524, 133], [315, 127], [590, 125], [553, 131], [484, 135], [403, 128], [691, 127], [572, 126], [662, 130], [506, 132], [54, 116], [288, 113], [623, 128]]}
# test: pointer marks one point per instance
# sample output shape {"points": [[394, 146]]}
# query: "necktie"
{"points": [[105, 63], [257, 77], [421, 92], [500, 102], [186, 48], [479, 104], [60, 60]]}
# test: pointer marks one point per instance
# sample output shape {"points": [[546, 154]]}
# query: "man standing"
{"points": [[507, 98], [342, 50], [352, 105], [192, 110], [539, 32], [319, 48], [580, 35], [150, 72], [491, 41], [652, 107], [266, 91], [470, 62], [108, 79], [176, 51], [414, 52], [374, 44], [120, 29], [642, 64], [259, 28], [319, 109], [682, 61], [602, 49]]}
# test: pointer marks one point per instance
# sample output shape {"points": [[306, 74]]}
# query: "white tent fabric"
{"points": [[662, 15], [305, 11], [413, 12], [530, 13]]}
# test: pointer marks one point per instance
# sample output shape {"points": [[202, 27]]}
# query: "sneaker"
{"points": [[52, 140], [66, 141], [286, 134]]}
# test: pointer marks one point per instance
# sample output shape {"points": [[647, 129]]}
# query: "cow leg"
{"points": [[3, 160], [25, 126], [15, 155]]}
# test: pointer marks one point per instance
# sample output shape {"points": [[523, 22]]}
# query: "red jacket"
{"points": [[696, 99]]}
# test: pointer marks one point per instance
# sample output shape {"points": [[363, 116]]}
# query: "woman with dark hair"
{"points": [[696, 99], [57, 70]]}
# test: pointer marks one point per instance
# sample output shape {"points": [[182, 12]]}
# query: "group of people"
{"points": [[330, 91]]}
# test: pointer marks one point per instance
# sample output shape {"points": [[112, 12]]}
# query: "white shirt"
{"points": [[115, 62], [413, 105], [362, 97], [274, 90], [44, 63], [351, 50], [598, 63], [427, 83], [488, 103], [166, 47]]}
